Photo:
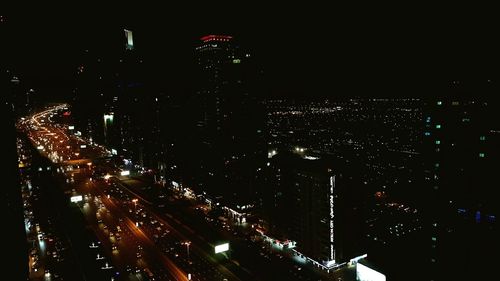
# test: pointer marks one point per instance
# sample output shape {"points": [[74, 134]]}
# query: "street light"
{"points": [[135, 204], [187, 243]]}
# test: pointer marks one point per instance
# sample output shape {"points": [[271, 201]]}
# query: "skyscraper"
{"points": [[311, 204], [115, 106], [461, 139], [229, 118]]}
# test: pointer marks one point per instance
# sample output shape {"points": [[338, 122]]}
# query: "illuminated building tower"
{"points": [[229, 118], [461, 140], [313, 203], [213, 54]]}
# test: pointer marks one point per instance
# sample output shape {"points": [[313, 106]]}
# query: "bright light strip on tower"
{"points": [[130, 40], [332, 215]]}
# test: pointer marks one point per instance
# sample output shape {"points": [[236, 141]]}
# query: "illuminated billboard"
{"points": [[364, 273], [76, 199], [125, 173], [130, 40], [221, 248], [71, 127]]}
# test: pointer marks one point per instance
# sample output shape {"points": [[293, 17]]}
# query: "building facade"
{"points": [[309, 202], [461, 139], [227, 144]]}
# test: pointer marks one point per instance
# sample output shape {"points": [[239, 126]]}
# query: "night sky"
{"points": [[316, 51]]}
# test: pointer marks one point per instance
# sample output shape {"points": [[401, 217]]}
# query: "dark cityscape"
{"points": [[277, 144]]}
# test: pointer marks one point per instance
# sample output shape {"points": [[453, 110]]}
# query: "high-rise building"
{"points": [[310, 202], [461, 140], [115, 106], [12, 208], [229, 119]]}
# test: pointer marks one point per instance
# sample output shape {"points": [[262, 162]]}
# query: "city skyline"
{"points": [[253, 147], [363, 56]]}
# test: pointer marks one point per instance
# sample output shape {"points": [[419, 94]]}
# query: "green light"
{"points": [[438, 126], [438, 142], [481, 155], [482, 138], [236, 61]]}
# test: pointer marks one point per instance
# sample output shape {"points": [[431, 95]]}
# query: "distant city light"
{"points": [[125, 173]]}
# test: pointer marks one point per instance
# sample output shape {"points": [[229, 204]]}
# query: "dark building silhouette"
{"points": [[12, 208], [312, 201], [116, 105], [461, 140], [227, 142]]}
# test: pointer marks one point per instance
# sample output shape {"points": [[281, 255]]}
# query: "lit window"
{"points": [[438, 142], [434, 238], [436, 165], [481, 154], [482, 138], [439, 103], [438, 126], [427, 133]]}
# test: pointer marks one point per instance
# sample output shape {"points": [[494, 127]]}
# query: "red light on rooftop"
{"points": [[67, 113], [216, 38]]}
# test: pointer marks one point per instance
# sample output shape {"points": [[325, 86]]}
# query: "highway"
{"points": [[144, 250], [136, 240]]}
